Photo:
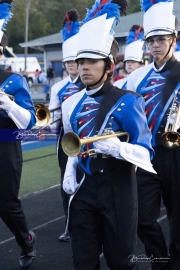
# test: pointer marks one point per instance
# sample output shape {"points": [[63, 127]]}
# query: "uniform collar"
{"points": [[100, 90], [166, 66]]}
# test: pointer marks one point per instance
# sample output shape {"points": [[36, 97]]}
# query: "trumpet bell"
{"points": [[71, 144], [171, 139], [42, 115]]}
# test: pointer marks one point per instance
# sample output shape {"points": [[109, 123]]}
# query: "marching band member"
{"points": [[159, 84], [103, 205], [64, 89], [133, 57], [14, 115]]}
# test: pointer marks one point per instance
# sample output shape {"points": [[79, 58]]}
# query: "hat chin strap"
{"points": [[104, 71], [170, 46]]}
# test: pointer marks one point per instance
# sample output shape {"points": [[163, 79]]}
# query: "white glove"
{"points": [[109, 146], [173, 118], [70, 184], [5, 103]]}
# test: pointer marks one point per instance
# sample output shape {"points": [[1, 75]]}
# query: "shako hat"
{"points": [[71, 26], [134, 41], [158, 18], [96, 39]]}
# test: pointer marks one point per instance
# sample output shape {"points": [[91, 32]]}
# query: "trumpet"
{"points": [[71, 143], [171, 138], [43, 115]]}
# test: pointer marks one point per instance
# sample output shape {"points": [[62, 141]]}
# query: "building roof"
{"points": [[121, 30]]}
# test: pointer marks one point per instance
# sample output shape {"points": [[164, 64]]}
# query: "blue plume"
{"points": [[146, 4], [112, 10], [177, 47], [5, 13], [98, 9], [70, 29], [136, 34]]}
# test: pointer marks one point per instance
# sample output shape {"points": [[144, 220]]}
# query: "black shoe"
{"points": [[27, 256], [64, 237]]}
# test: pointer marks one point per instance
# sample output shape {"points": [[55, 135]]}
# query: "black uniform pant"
{"points": [[11, 210], [151, 187], [62, 157], [103, 218]]}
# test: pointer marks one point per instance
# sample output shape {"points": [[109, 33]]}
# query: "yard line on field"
{"points": [[26, 143], [35, 228], [49, 155], [38, 192]]}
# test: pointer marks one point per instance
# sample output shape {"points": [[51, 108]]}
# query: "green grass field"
{"points": [[39, 170]]}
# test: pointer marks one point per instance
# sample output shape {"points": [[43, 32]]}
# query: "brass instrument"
{"points": [[52, 111], [43, 115], [171, 138], [71, 143]]}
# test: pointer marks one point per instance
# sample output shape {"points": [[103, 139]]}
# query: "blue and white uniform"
{"points": [[81, 117], [122, 83], [61, 91], [21, 114], [158, 90], [99, 184]]}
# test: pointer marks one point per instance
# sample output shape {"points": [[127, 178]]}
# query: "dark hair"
{"points": [[108, 66], [123, 4], [136, 27], [6, 1], [4, 41], [71, 16]]}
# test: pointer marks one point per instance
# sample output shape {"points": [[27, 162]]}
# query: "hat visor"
{"points": [[159, 33], [69, 58], [132, 58], [91, 55]]}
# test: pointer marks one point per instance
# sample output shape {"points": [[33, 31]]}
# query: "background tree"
{"points": [[45, 18]]}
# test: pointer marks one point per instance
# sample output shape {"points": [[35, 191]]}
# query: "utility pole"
{"points": [[26, 32]]}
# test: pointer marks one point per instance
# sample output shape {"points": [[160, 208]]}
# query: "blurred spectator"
{"points": [[9, 69], [20, 72], [50, 74], [24, 74], [46, 90], [120, 74], [43, 76], [37, 72]]}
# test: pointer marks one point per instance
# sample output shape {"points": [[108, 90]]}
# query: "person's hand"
{"points": [[5, 103], [109, 146], [69, 184]]}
